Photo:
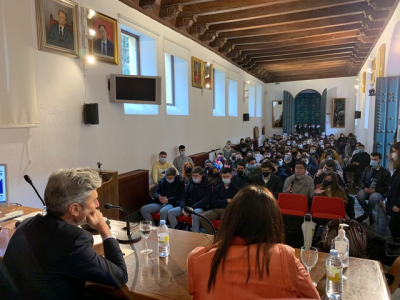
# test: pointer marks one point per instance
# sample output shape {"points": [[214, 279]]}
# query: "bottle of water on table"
{"points": [[334, 273], [163, 239]]}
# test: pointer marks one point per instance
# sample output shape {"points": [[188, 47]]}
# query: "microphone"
{"points": [[125, 236], [191, 211], [29, 180]]}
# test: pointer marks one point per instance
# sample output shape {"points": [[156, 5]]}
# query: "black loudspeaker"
{"points": [[357, 114], [246, 117], [91, 113]]}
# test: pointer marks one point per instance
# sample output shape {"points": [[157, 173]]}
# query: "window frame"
{"points": [[137, 38]]}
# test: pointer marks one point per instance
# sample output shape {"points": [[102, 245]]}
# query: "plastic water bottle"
{"points": [[163, 239], [334, 272]]}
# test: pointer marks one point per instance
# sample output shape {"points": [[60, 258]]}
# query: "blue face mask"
{"points": [[280, 163], [251, 167], [287, 157], [374, 163]]}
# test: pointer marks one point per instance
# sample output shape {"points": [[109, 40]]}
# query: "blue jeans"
{"points": [[373, 198], [149, 209], [177, 211]]}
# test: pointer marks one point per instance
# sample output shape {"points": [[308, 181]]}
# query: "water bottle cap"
{"points": [[162, 222], [333, 252]]}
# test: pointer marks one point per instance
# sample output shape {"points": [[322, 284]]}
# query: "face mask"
{"points": [[251, 167], [226, 181], [287, 157], [266, 174], [327, 183], [300, 146], [306, 163], [182, 153], [332, 144], [197, 180], [244, 150], [313, 151], [163, 160], [228, 146], [207, 168], [219, 159], [321, 143], [188, 170], [374, 163], [360, 150], [329, 158], [239, 159], [318, 126], [352, 144], [170, 181], [323, 134], [280, 163], [233, 158], [288, 143], [227, 166], [394, 155], [299, 176], [240, 172], [215, 175]]}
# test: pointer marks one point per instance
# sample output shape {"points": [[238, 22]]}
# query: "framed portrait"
{"points": [[58, 26], [208, 75], [197, 72], [339, 113], [104, 45]]}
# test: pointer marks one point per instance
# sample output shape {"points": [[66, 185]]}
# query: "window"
{"points": [[258, 100], [139, 57], [219, 94], [252, 100], [176, 85], [232, 98]]}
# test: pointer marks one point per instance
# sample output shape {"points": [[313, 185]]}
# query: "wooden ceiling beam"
{"points": [[185, 2], [328, 55], [308, 77]]}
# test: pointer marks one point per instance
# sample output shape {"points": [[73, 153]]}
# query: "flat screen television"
{"points": [[135, 89], [3, 185]]}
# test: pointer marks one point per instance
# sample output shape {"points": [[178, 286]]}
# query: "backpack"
{"points": [[355, 233]]}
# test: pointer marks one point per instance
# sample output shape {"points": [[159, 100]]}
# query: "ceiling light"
{"points": [[208, 85], [91, 13]]}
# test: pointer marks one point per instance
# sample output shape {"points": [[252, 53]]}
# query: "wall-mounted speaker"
{"points": [[246, 117], [357, 114], [91, 113]]}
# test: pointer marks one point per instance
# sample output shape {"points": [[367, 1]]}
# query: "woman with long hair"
{"points": [[248, 259], [187, 171], [214, 176], [330, 188], [393, 195]]}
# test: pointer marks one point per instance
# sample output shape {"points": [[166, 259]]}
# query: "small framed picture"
{"points": [[208, 75], [57, 26], [197, 72], [339, 112], [104, 45]]}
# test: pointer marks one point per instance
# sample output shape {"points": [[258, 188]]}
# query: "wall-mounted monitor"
{"points": [[3, 185], [135, 89]]}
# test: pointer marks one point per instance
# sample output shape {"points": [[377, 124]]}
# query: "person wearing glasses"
{"points": [[299, 182]]}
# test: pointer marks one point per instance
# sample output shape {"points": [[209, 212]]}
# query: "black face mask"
{"points": [[327, 183], [240, 172], [215, 175], [266, 174], [207, 168], [188, 170], [244, 150]]}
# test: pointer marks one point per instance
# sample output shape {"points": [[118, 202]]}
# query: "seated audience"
{"points": [[311, 169], [219, 161], [267, 178], [253, 169], [278, 170], [241, 179], [313, 152], [197, 195], [374, 186], [289, 160], [166, 196], [222, 196], [214, 177], [187, 171], [328, 155], [243, 148], [159, 167], [50, 257], [228, 151], [248, 259], [180, 160], [358, 163], [393, 195], [207, 167], [300, 183], [331, 188]]}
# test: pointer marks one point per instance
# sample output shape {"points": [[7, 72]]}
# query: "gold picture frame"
{"points": [[208, 78], [57, 26], [197, 72], [104, 45], [339, 113]]}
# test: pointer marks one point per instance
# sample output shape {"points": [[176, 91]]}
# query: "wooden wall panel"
{"points": [[199, 159], [108, 193]]}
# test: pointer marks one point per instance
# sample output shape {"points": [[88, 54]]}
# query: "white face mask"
{"points": [[394, 155], [226, 181]]}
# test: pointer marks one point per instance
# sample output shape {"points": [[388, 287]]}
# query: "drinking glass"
{"points": [[309, 257], [145, 230]]}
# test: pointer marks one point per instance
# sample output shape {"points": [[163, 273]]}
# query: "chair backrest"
{"points": [[293, 202], [328, 205]]}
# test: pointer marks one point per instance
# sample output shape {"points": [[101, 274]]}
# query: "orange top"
{"points": [[287, 276]]}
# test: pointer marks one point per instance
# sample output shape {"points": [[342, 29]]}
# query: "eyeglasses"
{"points": [[299, 168]]}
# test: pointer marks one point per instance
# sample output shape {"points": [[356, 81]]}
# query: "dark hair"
{"points": [[181, 147], [361, 145], [197, 170], [250, 158], [244, 145], [65, 14], [162, 153], [241, 163], [101, 25], [226, 170], [267, 164], [331, 164], [254, 216], [170, 171], [300, 162], [274, 161], [376, 154], [396, 163]]}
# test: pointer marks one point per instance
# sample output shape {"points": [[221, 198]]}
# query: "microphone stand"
{"points": [[122, 236], [191, 211], [29, 180]]}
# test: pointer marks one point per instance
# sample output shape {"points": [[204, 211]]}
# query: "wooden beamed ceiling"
{"points": [[279, 40]]}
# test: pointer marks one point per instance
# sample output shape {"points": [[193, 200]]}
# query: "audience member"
{"points": [[50, 257], [311, 169], [180, 160], [160, 167], [374, 186], [330, 156], [267, 178], [331, 188], [166, 196], [187, 171], [393, 195], [241, 179], [289, 160], [358, 163], [278, 170], [219, 161], [243, 148], [228, 150], [300, 183], [214, 177], [222, 196], [207, 167], [249, 245], [197, 195]]}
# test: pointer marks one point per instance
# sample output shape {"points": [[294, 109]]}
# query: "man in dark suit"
{"points": [[60, 35], [50, 257], [103, 45]]}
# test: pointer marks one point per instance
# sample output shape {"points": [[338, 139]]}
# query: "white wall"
{"points": [[121, 142], [336, 88], [365, 135]]}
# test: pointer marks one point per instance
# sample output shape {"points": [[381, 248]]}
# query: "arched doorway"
{"points": [[307, 107]]}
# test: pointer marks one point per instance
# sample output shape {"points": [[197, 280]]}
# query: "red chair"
{"points": [[329, 208], [156, 216], [216, 224], [188, 220], [293, 204]]}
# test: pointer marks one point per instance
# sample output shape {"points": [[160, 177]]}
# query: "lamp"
{"points": [[91, 13]]}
